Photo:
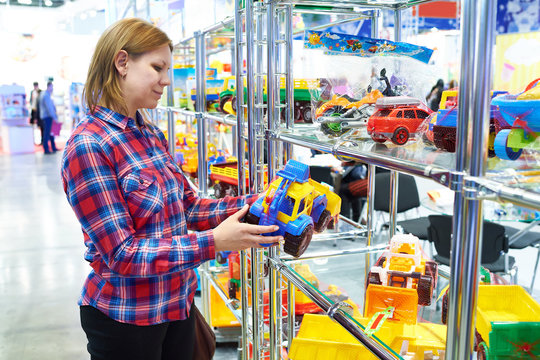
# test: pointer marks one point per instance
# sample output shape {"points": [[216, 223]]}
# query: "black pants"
{"points": [[112, 340]]}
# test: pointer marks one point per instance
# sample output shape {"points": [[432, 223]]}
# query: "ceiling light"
{"points": [[93, 13], [25, 2], [48, 3], [83, 16]]}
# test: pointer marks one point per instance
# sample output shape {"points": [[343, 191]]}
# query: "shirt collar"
{"points": [[113, 117]]}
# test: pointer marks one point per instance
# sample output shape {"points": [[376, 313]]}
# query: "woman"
{"points": [[135, 207]]}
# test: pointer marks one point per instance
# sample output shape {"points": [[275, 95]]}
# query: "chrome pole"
{"points": [[455, 324], [375, 24], [289, 86], [397, 25], [370, 203], [478, 138], [170, 116], [201, 108]]}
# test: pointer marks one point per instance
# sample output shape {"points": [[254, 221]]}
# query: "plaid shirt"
{"points": [[135, 207]]}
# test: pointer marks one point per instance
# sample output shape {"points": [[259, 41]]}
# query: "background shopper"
{"points": [[35, 118], [135, 207], [48, 115]]}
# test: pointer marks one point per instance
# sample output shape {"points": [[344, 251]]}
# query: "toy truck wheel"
{"points": [[378, 139], [401, 136], [323, 221], [481, 353], [233, 103], [307, 114], [444, 312], [424, 289], [251, 219], [432, 271], [501, 150], [477, 341], [295, 245], [373, 278], [232, 290], [222, 102], [219, 191], [220, 258]]}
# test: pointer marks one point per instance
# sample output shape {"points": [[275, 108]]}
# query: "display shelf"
{"points": [[335, 5]]}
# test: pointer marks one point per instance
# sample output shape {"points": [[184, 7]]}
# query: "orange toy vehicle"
{"points": [[342, 113], [397, 119], [401, 278]]}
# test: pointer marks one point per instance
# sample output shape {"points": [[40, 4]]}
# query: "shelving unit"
{"points": [[263, 38]]}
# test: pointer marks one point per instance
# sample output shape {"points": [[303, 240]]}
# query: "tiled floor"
{"points": [[42, 267]]}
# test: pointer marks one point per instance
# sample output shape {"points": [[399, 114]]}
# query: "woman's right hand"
{"points": [[234, 235]]}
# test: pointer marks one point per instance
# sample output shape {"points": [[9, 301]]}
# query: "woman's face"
{"points": [[146, 77]]}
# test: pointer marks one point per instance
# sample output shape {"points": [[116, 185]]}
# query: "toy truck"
{"points": [[302, 97], [522, 112], [442, 128], [298, 205], [224, 176], [507, 323], [401, 278], [397, 119]]}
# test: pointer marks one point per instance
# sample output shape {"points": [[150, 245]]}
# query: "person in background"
{"points": [[135, 207], [452, 84], [35, 118], [434, 97], [48, 115]]}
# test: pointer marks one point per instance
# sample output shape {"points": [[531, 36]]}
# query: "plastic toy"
{"points": [[522, 112], [397, 118], [401, 278], [342, 113], [507, 323], [442, 129], [321, 338], [224, 176], [298, 205]]}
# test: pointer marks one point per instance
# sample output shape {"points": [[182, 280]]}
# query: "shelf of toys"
{"points": [[17, 134], [371, 112]]}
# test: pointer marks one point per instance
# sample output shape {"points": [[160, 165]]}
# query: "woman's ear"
{"points": [[120, 62]]}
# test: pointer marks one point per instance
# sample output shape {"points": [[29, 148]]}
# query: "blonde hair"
{"points": [[135, 36]]}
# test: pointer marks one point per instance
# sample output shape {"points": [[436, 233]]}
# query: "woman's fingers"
{"points": [[267, 239], [261, 229], [240, 213]]}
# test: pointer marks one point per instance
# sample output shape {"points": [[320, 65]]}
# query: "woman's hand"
{"points": [[233, 235]]}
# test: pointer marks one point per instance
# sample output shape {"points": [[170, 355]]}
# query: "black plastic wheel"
{"points": [[232, 290], [401, 136], [432, 271], [251, 219], [220, 258], [424, 289], [307, 114], [444, 311], [323, 221], [222, 101], [219, 191], [296, 245]]}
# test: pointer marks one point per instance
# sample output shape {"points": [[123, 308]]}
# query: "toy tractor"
{"points": [[298, 205], [401, 278]]}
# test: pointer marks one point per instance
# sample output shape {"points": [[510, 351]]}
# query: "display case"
{"points": [[17, 133], [264, 118]]}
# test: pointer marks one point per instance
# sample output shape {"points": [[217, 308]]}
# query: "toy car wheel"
{"points": [[401, 136], [481, 353], [323, 221], [444, 311], [425, 290], [233, 103], [378, 139], [251, 219], [219, 191], [222, 102], [232, 290], [295, 245], [477, 340]]}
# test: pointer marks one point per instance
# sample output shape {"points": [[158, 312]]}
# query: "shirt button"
{"points": [[151, 154], [141, 181]]}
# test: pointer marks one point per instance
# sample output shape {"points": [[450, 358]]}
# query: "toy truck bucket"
{"points": [[404, 300], [295, 171]]}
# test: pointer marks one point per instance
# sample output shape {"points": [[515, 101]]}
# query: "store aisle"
{"points": [[41, 262]]}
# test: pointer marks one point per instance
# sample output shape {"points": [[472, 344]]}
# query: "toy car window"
{"points": [[382, 113], [399, 114], [409, 114], [288, 206], [421, 114]]}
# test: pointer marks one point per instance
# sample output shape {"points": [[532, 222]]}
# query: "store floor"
{"points": [[42, 267]]}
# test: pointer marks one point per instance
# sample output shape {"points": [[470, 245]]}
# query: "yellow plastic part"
{"points": [[220, 315], [503, 303], [404, 300], [320, 338]]}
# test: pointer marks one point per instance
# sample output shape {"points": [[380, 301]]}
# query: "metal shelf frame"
{"points": [[263, 38]]}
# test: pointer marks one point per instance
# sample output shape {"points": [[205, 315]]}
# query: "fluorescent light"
{"points": [[83, 16], [48, 3], [25, 2]]}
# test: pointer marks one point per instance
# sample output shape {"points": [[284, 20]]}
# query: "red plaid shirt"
{"points": [[135, 207]]}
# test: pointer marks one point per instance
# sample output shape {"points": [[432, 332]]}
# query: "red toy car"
{"points": [[397, 118]]}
